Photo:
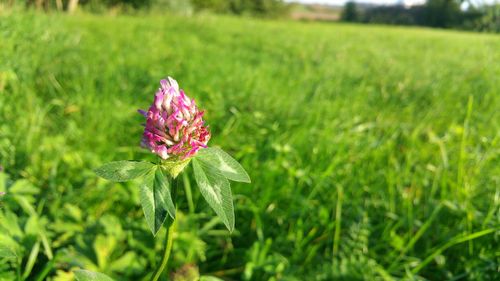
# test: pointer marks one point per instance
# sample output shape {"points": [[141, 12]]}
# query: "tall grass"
{"points": [[374, 151]]}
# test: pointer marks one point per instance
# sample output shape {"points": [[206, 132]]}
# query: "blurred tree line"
{"points": [[240, 7], [254, 7], [434, 13]]}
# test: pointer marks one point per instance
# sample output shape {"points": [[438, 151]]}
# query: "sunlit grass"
{"points": [[404, 123]]}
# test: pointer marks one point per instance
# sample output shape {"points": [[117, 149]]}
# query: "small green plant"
{"points": [[175, 131]]}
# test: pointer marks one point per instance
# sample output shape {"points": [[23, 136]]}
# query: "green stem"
{"points": [[168, 238], [338, 221]]}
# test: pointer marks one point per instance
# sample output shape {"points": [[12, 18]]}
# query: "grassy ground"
{"points": [[374, 151]]}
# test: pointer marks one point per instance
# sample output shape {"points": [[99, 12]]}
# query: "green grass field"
{"points": [[374, 152]]}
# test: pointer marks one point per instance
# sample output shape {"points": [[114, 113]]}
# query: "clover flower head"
{"points": [[174, 125]]}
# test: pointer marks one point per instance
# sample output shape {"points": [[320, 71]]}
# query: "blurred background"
{"points": [[477, 15], [370, 130]]}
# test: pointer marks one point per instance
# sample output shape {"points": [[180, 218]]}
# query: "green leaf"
{"points": [[8, 247], [226, 164], [9, 225], [23, 187], [103, 247], [121, 171], [6, 252], [156, 199], [209, 278], [3, 180], [216, 190], [85, 275], [31, 260], [126, 263]]}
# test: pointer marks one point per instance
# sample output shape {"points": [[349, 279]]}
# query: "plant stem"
{"points": [[338, 221], [168, 237]]}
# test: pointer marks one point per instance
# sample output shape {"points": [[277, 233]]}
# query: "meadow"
{"points": [[374, 151]]}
